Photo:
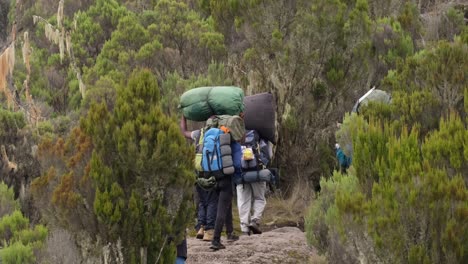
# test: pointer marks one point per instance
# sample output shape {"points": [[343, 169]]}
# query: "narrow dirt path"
{"points": [[282, 245]]}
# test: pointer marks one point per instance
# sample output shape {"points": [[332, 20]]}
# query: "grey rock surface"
{"points": [[282, 245]]}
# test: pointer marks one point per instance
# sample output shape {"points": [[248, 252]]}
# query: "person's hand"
{"points": [[242, 140], [206, 183]]}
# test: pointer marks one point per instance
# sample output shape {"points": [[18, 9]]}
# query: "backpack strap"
{"points": [[209, 161], [260, 165], [200, 139]]}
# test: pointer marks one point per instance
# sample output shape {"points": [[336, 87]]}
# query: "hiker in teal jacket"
{"points": [[343, 160]]}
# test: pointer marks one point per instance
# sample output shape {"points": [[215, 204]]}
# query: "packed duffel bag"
{"points": [[234, 124], [257, 176], [201, 103], [260, 115]]}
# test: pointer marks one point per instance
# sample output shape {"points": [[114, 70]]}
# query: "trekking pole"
{"points": [[162, 248]]}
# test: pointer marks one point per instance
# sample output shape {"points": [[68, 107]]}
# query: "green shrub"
{"points": [[17, 253], [333, 221], [45, 127], [11, 122], [17, 240], [7, 200], [142, 170], [407, 203]]}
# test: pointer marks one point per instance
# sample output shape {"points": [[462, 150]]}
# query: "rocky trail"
{"points": [[282, 245]]}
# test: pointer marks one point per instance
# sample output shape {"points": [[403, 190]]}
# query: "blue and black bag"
{"points": [[216, 159], [256, 155]]}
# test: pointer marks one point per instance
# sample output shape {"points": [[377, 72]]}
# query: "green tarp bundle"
{"points": [[200, 103]]}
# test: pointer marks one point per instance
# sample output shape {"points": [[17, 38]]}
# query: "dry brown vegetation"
{"points": [[289, 210]]}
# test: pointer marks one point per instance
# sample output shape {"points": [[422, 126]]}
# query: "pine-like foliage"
{"points": [[402, 202], [7, 200], [18, 241], [142, 169], [405, 198]]}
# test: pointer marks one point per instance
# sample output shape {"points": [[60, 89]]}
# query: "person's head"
{"points": [[337, 146]]}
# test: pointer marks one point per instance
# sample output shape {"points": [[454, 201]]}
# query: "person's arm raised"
{"points": [[183, 128]]}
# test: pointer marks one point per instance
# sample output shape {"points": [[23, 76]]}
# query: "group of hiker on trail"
{"points": [[215, 195], [232, 150]]}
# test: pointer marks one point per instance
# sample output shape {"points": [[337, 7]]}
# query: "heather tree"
{"points": [[142, 170]]}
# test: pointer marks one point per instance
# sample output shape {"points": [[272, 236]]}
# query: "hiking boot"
{"points": [[216, 245], [231, 237], [201, 232], [209, 234], [254, 227]]}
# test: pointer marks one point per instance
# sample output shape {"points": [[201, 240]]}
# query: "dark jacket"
{"points": [[236, 160], [182, 249]]}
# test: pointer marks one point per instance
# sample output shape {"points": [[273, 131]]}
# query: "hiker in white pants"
{"points": [[251, 197]]}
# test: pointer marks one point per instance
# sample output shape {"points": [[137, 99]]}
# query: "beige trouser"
{"points": [[250, 196]]}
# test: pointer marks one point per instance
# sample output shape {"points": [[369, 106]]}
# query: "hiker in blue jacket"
{"points": [[343, 160]]}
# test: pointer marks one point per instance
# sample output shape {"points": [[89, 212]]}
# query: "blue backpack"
{"points": [[216, 159]]}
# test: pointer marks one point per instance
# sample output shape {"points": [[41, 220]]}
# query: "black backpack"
{"points": [[255, 152]]}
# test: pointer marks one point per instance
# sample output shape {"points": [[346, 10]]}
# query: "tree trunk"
{"points": [[144, 255]]}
